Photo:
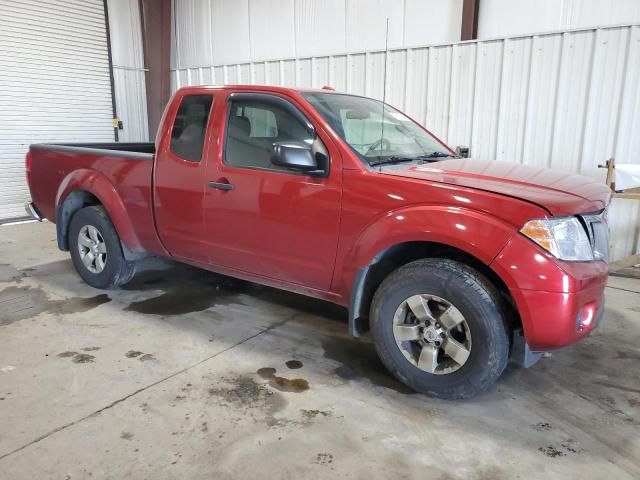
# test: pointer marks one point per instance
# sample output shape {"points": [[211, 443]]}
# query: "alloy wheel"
{"points": [[432, 334], [92, 249]]}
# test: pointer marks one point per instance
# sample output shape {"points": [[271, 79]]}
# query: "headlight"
{"points": [[564, 238]]}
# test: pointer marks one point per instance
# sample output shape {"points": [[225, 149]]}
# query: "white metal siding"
{"points": [[128, 69], [566, 100], [239, 31], [54, 84], [503, 18]]}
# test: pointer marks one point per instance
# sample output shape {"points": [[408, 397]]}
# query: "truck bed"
{"points": [[125, 168], [129, 150]]}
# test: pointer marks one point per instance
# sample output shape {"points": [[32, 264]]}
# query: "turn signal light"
{"points": [[539, 232]]}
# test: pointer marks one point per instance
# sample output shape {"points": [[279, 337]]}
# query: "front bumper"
{"points": [[559, 303], [552, 320]]}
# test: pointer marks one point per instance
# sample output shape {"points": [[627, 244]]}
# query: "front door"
{"points": [[264, 219]]}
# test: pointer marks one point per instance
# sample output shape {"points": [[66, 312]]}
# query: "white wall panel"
{"points": [[230, 31], [438, 90], [486, 99], [271, 29], [463, 74], [320, 27], [126, 33], [567, 100], [573, 85], [432, 21], [192, 31], [415, 98], [367, 23], [542, 98], [607, 75], [128, 69], [218, 32], [503, 18], [514, 88], [338, 72]]}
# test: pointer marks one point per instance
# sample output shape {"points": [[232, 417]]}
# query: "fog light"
{"points": [[586, 316]]}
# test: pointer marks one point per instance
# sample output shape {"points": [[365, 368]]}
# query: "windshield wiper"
{"points": [[438, 155], [401, 159], [391, 160]]}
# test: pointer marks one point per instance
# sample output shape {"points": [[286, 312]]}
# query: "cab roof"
{"points": [[256, 88]]}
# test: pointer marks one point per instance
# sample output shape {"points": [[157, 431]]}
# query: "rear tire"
{"points": [[96, 250], [457, 345]]}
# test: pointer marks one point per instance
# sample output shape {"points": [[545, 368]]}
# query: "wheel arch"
{"points": [[83, 188], [368, 278]]}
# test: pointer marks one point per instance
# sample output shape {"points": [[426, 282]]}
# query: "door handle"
{"points": [[223, 184]]}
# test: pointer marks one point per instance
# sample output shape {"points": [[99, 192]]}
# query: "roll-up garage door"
{"points": [[54, 84]]}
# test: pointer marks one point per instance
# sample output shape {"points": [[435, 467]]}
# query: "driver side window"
{"points": [[252, 129]]}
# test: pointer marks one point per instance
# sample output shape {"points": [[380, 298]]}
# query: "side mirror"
{"points": [[297, 156], [462, 151]]}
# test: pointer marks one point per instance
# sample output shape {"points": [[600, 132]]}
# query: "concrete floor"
{"points": [[187, 374]]}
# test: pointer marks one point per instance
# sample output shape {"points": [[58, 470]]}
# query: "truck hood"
{"points": [[557, 192]]}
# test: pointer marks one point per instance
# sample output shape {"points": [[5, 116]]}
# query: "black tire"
{"points": [[475, 298], [117, 270]]}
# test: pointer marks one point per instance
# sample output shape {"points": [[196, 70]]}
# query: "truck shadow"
{"points": [[185, 289]]}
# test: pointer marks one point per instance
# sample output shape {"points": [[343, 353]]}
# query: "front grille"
{"points": [[598, 231]]}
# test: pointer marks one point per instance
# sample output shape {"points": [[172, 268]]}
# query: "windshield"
{"points": [[359, 121]]}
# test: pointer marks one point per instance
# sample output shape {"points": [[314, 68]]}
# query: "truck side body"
{"points": [[336, 236]]}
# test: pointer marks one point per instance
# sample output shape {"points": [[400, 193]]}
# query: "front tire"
{"points": [[96, 251], [439, 328]]}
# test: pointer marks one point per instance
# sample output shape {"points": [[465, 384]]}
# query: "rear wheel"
{"points": [[439, 328], [96, 251]]}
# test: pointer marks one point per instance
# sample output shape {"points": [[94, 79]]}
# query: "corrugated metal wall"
{"points": [[128, 69], [566, 100]]}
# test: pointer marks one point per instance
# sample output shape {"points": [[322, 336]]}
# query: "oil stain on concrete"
{"points": [[294, 385], [20, 303], [143, 357], [83, 358], [244, 393], [77, 357], [293, 364], [66, 354]]}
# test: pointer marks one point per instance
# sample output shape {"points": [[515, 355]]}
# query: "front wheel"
{"points": [[96, 251], [439, 328]]}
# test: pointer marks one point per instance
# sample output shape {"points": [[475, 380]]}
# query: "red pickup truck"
{"points": [[454, 264]]}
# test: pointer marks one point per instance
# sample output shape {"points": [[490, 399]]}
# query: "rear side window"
{"points": [[190, 127]]}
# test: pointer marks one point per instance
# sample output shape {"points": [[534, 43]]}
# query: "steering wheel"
{"points": [[381, 144]]}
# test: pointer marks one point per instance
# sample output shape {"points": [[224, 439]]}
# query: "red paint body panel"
{"points": [[178, 196], [276, 224], [558, 192], [549, 293], [122, 185], [312, 235]]}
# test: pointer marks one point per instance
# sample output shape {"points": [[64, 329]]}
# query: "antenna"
{"points": [[384, 84]]}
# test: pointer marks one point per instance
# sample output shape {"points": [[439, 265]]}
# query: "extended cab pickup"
{"points": [[454, 264]]}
